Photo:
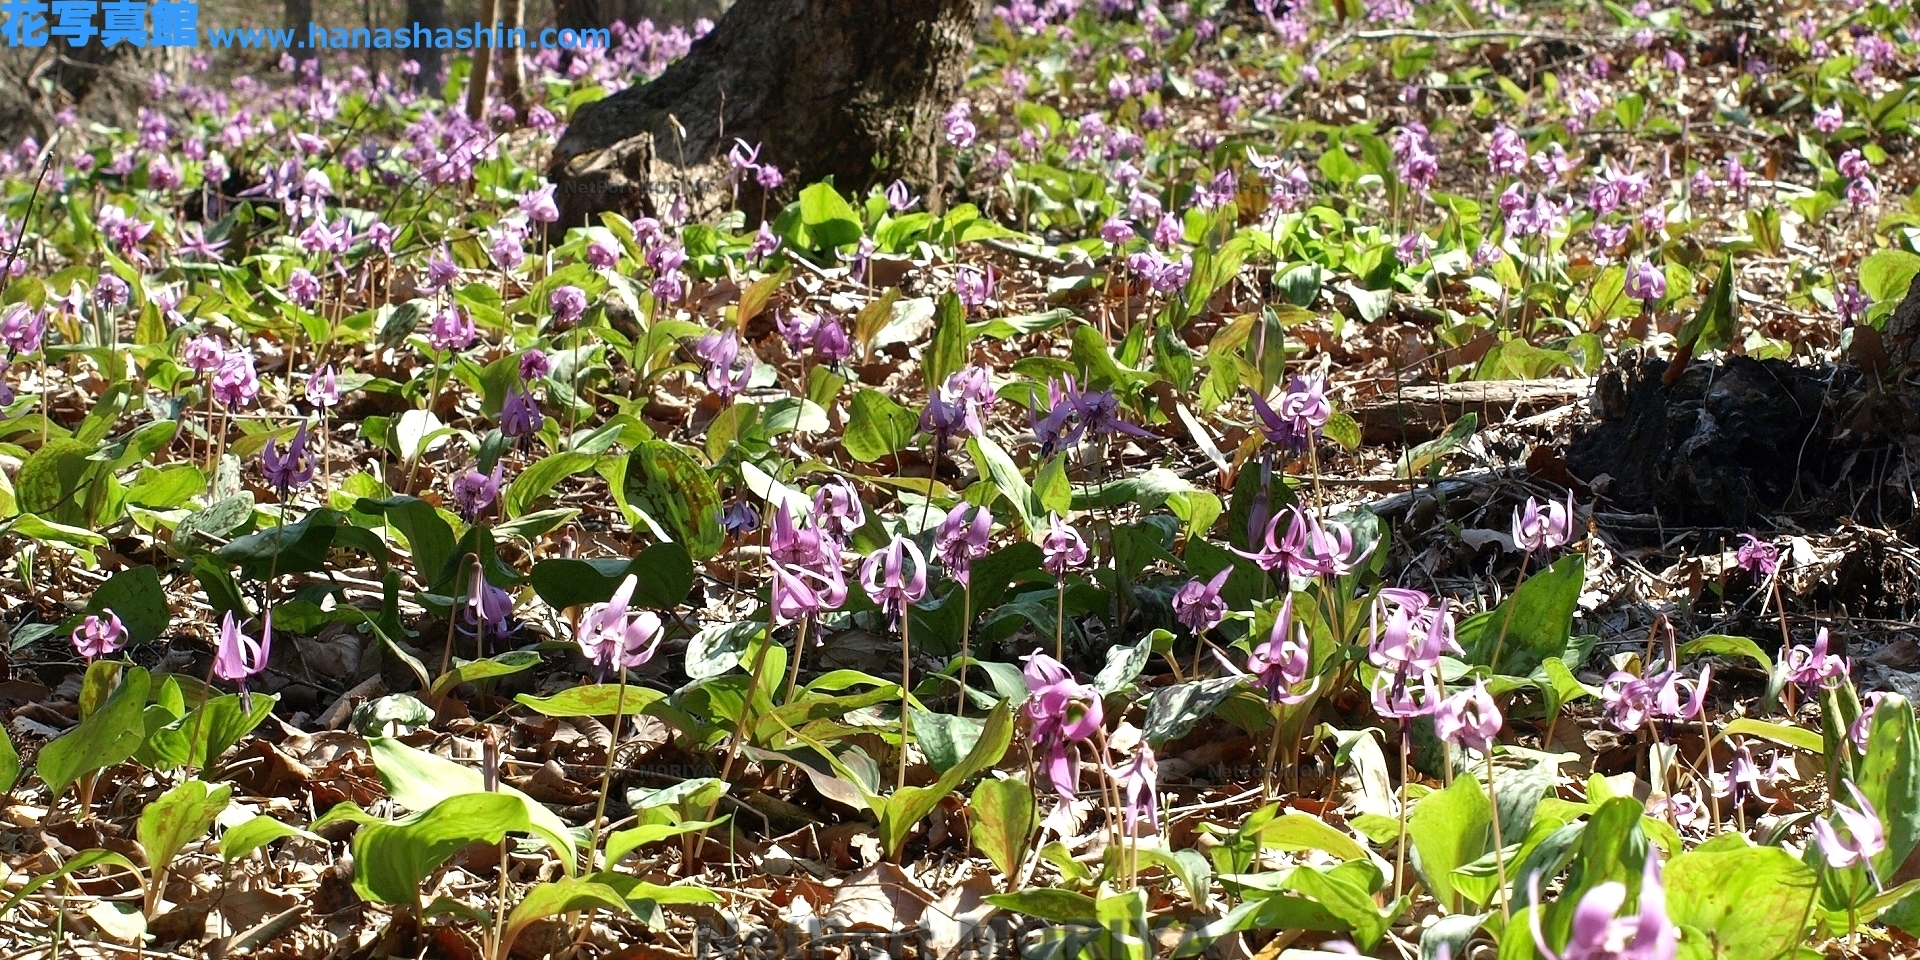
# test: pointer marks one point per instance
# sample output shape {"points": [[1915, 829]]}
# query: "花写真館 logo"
{"points": [[36, 23]]}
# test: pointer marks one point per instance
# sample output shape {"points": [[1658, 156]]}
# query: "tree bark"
{"points": [[514, 14], [482, 58], [299, 15], [849, 89], [431, 14]]}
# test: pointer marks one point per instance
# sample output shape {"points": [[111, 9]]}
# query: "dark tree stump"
{"points": [[849, 89], [1726, 442]]}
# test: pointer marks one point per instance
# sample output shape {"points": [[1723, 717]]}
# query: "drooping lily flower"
{"points": [[964, 536], [238, 657], [1468, 719], [895, 576], [1061, 548], [837, 510], [96, 637], [473, 491], [1543, 526], [1063, 713], [612, 636], [1862, 840], [1198, 605], [1283, 661], [1813, 668], [1140, 789], [1599, 934], [1757, 556], [294, 468]]}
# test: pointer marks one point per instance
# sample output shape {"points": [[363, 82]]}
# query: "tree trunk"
{"points": [[299, 15], [431, 14], [482, 58], [514, 15], [824, 87], [598, 14]]}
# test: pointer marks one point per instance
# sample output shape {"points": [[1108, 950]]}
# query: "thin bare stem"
{"points": [[606, 774]]}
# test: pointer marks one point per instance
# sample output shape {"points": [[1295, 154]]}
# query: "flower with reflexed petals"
{"points": [[895, 576], [610, 635], [96, 637], [1468, 719], [1598, 932], [1063, 712], [1543, 526], [1860, 837], [1061, 548], [964, 536], [238, 657], [1197, 604]]}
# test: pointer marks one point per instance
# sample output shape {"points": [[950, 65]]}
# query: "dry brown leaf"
{"points": [[881, 897]]}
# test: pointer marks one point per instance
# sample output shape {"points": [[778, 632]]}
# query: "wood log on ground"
{"points": [[848, 89], [1425, 411]]}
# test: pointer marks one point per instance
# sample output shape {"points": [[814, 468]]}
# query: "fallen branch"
{"points": [[1422, 412]]}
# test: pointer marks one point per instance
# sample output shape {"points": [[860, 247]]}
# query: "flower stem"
{"points": [[1493, 662], [799, 647], [1060, 619], [606, 775], [1400, 856], [966, 633], [1499, 847], [906, 665]]}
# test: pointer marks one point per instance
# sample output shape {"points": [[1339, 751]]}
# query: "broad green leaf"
{"points": [[420, 781], [673, 488], [1785, 734], [428, 534], [1354, 906], [256, 833], [391, 860], [945, 739], [1049, 903], [1712, 328], [1727, 646], [220, 518], [1447, 829], [1889, 776], [877, 427], [1415, 462], [1537, 620], [84, 860], [178, 817], [1124, 932], [994, 463], [134, 595], [1189, 866], [469, 671], [1748, 900], [663, 575], [1124, 663], [623, 842], [9, 761], [1886, 274], [220, 722], [1001, 821], [107, 737], [1299, 831], [1172, 711], [546, 473], [947, 354], [829, 219], [593, 700], [554, 898]]}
